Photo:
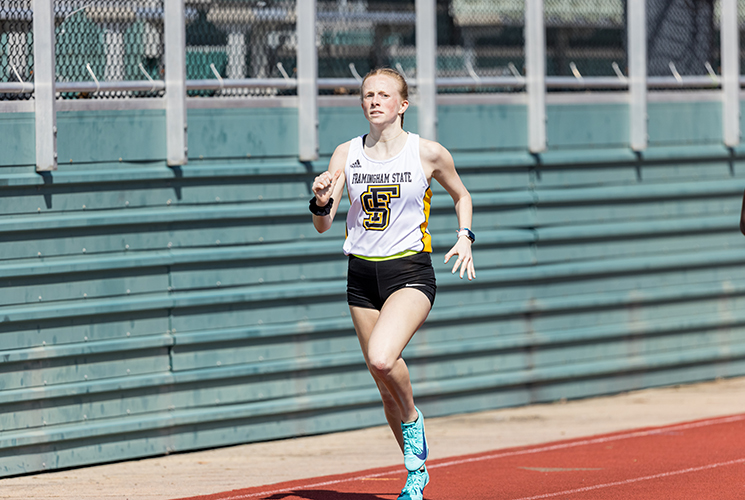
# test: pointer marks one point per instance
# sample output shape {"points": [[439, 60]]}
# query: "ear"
{"points": [[404, 107]]}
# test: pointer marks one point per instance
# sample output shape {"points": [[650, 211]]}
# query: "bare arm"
{"points": [[440, 161], [330, 184], [742, 216]]}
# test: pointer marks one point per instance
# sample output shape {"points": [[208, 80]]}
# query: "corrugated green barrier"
{"points": [[146, 310]]}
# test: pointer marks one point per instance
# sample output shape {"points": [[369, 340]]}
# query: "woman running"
{"points": [[391, 281]]}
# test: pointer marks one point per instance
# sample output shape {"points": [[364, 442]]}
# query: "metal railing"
{"points": [[555, 82], [535, 84]]}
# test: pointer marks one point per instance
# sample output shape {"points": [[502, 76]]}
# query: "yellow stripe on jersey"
{"points": [[426, 237], [398, 255]]}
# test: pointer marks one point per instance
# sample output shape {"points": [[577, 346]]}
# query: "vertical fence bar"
{"points": [[426, 67], [307, 80], [636, 20], [44, 91], [730, 47], [535, 64], [175, 55]]}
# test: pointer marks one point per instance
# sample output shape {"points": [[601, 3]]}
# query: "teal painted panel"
{"points": [[22, 290], [496, 255], [110, 136], [587, 126], [161, 236], [597, 272], [640, 210], [261, 313], [628, 348], [138, 230], [580, 157], [103, 194], [651, 245], [628, 308], [242, 133], [591, 175], [684, 171], [48, 372], [618, 382], [17, 139], [484, 363], [482, 127], [258, 350], [630, 174], [489, 179], [42, 332], [474, 401], [337, 125], [85, 407], [190, 436], [264, 271], [684, 122], [297, 380]]}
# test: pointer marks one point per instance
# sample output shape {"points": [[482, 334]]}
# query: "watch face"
{"points": [[467, 232]]}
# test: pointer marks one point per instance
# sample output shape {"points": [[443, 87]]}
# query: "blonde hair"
{"points": [[403, 87]]}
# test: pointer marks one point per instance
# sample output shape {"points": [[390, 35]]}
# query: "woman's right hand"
{"points": [[323, 186]]}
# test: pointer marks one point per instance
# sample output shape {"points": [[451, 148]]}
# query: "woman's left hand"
{"points": [[462, 249]]}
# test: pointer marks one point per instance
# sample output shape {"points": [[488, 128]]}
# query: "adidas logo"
{"points": [[356, 164]]}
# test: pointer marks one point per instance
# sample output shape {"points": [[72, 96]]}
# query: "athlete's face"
{"points": [[382, 101]]}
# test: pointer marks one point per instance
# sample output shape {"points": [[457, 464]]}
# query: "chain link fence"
{"points": [[122, 40], [16, 46], [585, 38], [239, 39], [481, 38], [356, 36], [682, 38], [109, 41]]}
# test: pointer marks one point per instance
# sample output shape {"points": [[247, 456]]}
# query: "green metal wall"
{"points": [[146, 310]]}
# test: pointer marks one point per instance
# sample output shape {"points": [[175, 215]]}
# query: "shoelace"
{"points": [[414, 481], [409, 435]]}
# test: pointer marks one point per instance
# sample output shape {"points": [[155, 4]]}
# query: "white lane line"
{"points": [[635, 480], [607, 439], [560, 446]]}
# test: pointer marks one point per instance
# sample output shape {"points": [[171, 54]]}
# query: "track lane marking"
{"points": [[634, 480], [560, 446], [607, 439]]}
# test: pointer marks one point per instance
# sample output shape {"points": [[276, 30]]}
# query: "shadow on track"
{"points": [[329, 495]]}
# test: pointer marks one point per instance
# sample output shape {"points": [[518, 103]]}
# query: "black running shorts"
{"points": [[370, 283]]}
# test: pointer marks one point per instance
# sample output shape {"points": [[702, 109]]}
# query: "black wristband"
{"points": [[320, 211]]}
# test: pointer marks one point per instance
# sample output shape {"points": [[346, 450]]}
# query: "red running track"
{"points": [[691, 461]]}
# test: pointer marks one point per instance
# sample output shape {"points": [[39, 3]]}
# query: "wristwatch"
{"points": [[464, 231]]}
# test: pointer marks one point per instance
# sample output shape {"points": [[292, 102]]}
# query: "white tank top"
{"points": [[390, 201]]}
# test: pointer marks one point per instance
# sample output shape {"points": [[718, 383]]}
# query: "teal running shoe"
{"points": [[415, 444], [415, 483]]}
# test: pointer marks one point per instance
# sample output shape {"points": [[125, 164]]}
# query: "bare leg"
{"points": [[383, 335]]}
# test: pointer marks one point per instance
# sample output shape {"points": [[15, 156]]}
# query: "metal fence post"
{"points": [[426, 67], [535, 64], [44, 91], [175, 79], [730, 47], [637, 56], [307, 80]]}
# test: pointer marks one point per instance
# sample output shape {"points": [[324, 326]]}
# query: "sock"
{"points": [[412, 422]]}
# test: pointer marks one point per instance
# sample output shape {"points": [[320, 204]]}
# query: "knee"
{"points": [[381, 367]]}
